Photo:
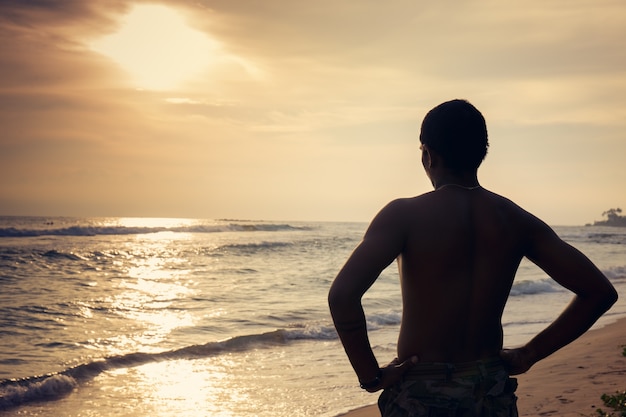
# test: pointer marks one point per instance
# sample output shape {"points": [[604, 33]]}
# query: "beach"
{"points": [[572, 380]]}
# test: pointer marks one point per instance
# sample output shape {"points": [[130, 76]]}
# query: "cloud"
{"points": [[311, 109]]}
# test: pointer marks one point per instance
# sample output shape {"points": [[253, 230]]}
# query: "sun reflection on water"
{"points": [[152, 222], [147, 303], [179, 387], [153, 286]]}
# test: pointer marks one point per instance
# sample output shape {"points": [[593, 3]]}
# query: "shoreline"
{"points": [[571, 381]]}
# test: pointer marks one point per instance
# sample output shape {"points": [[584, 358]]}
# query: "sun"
{"points": [[157, 47]]}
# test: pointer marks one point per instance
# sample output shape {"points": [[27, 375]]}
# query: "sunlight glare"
{"points": [[157, 47], [191, 387], [156, 222]]}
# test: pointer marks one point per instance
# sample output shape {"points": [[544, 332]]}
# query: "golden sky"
{"points": [[303, 110]]}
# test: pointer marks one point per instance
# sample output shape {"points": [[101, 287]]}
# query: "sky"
{"points": [[303, 110]]}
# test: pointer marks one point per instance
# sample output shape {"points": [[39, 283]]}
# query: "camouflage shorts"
{"points": [[474, 389]]}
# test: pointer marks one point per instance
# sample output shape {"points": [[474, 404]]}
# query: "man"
{"points": [[458, 249]]}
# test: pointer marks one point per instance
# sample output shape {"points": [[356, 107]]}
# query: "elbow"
{"points": [[607, 297], [599, 299], [611, 297], [340, 298], [335, 299]]}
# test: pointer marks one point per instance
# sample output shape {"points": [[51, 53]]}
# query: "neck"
{"points": [[468, 182]]}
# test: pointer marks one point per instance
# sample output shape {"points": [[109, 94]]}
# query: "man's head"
{"points": [[456, 131]]}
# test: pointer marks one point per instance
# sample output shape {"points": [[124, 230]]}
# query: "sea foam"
{"points": [[137, 230]]}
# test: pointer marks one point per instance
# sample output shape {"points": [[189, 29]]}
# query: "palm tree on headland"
{"points": [[612, 214], [613, 218]]}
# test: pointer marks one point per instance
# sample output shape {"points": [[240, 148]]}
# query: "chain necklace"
{"points": [[459, 186]]}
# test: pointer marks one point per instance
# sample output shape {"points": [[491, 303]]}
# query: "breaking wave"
{"points": [[127, 230], [526, 287], [49, 387]]}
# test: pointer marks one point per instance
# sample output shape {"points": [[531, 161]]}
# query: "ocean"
{"points": [[167, 317]]}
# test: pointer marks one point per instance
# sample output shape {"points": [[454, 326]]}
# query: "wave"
{"points": [[49, 387], [251, 248], [527, 287], [603, 235], [54, 254], [127, 230], [615, 273], [608, 238], [389, 318]]}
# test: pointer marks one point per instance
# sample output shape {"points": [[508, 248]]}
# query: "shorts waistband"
{"points": [[447, 371]]}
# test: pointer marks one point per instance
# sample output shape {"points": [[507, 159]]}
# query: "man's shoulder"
{"points": [[397, 212], [504, 201], [409, 205], [524, 221]]}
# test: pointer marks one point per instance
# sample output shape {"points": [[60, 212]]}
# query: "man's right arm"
{"points": [[382, 243], [593, 296]]}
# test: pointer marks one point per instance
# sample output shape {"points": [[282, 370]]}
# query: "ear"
{"points": [[427, 157], [431, 158]]}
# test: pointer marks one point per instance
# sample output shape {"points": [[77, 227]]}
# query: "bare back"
{"points": [[461, 252], [458, 250]]}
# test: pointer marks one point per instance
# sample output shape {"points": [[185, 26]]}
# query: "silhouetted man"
{"points": [[458, 249]]}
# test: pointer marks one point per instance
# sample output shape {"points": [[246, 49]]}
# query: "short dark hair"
{"points": [[457, 131]]}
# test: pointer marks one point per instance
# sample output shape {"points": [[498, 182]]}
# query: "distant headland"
{"points": [[613, 218]]}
